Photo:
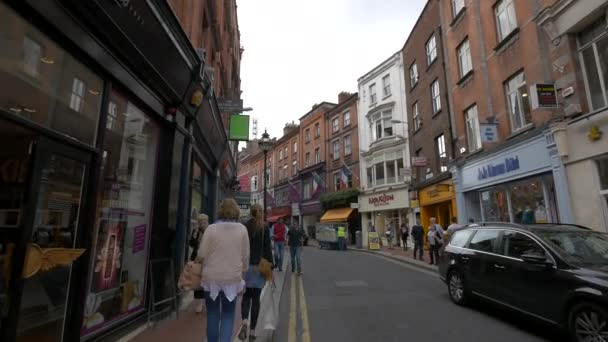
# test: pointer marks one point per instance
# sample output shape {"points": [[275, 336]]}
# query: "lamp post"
{"points": [[265, 145]]}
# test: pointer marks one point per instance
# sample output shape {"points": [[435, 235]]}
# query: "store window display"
{"points": [[528, 202], [117, 280], [495, 205]]}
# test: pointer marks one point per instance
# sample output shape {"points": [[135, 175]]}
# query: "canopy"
{"points": [[336, 215], [275, 218]]}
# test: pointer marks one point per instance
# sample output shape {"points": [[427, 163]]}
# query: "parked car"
{"points": [[552, 272]]}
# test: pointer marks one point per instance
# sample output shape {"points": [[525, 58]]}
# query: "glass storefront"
{"points": [[48, 86], [526, 201], [117, 279]]}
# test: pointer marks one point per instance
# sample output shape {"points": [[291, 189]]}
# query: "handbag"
{"points": [[191, 276]]}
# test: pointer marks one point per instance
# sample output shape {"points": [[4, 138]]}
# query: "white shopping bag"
{"points": [[270, 321]]}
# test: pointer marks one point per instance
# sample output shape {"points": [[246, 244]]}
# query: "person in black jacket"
{"points": [[259, 247], [418, 236]]}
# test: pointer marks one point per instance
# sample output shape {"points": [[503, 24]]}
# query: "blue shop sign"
{"points": [[492, 170]]}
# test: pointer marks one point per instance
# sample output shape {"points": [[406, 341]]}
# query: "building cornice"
{"points": [[379, 69]]}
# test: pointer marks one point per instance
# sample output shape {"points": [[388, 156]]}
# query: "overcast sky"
{"points": [[298, 53]]}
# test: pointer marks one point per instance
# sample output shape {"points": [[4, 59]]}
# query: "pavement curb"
{"points": [[402, 260]]}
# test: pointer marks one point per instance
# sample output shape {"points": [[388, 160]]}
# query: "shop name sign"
{"points": [[492, 170], [378, 201]]}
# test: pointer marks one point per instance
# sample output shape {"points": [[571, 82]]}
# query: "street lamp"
{"points": [[265, 145]]}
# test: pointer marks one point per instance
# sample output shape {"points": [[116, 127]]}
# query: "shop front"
{"points": [[519, 184], [382, 210], [84, 189], [438, 201], [311, 212]]}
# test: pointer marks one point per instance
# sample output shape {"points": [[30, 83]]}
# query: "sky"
{"points": [[298, 53]]}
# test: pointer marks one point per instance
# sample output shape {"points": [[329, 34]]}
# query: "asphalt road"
{"points": [[355, 296]]}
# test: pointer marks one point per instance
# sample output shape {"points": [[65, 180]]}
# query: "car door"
{"points": [[481, 270], [526, 286]]}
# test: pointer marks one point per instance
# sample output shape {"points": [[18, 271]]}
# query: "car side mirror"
{"points": [[536, 259]]}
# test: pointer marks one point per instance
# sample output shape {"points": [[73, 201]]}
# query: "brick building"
{"points": [[285, 169], [429, 125], [506, 168], [313, 177]]}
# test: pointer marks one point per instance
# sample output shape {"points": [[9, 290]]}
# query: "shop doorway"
{"points": [[41, 188]]}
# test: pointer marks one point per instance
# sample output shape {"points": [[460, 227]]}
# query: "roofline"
{"points": [[379, 66], [341, 106], [317, 106], [416, 24]]}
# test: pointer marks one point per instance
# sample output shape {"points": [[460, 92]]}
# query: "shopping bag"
{"points": [[190, 278], [270, 321]]}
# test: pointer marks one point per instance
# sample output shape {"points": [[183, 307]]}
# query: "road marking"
{"points": [[291, 335], [304, 313]]}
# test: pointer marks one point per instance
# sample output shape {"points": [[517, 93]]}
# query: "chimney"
{"points": [[289, 127], [343, 96]]}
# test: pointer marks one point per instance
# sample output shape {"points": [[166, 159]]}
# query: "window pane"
{"points": [[474, 138], [399, 169], [484, 240], [40, 75], [602, 51], [380, 174], [461, 237], [388, 127], [390, 172], [495, 207], [528, 202], [370, 176], [516, 244], [602, 166]]}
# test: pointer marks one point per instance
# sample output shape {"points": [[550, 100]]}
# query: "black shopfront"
{"points": [[99, 106]]}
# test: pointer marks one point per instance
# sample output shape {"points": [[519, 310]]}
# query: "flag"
{"points": [[294, 193], [346, 172], [317, 182]]}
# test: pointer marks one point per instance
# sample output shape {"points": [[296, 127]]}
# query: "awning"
{"points": [[336, 215], [275, 218]]}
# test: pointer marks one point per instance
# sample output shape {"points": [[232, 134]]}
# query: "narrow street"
{"points": [[355, 296]]}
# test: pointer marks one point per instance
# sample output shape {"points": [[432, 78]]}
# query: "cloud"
{"points": [[298, 53]]}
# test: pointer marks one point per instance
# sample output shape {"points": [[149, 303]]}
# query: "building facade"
{"points": [[429, 119], [384, 153], [506, 166], [285, 168], [577, 37], [106, 154], [312, 158]]}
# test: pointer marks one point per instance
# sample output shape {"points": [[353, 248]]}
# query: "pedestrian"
{"points": [[405, 232], [341, 238], [435, 241], [259, 247], [418, 236], [224, 253], [438, 229], [389, 236], [196, 236], [452, 228], [279, 233], [296, 237]]}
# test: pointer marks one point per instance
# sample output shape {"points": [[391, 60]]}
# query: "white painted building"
{"points": [[384, 152]]}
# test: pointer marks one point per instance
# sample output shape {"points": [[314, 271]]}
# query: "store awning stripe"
{"points": [[336, 215]]}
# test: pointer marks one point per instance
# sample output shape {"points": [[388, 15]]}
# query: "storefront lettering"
{"points": [[381, 200], [493, 170]]}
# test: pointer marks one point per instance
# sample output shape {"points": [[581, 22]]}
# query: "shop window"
{"points": [[515, 245], [121, 243], [41, 76], [528, 202], [594, 53], [112, 115], [495, 205], [484, 241]]}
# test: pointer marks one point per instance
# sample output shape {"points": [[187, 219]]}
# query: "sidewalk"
{"points": [[191, 327]]}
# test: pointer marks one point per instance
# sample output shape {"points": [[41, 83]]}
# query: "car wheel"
{"points": [[588, 322], [456, 288]]}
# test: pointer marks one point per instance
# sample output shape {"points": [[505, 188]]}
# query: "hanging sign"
{"points": [[543, 95]]}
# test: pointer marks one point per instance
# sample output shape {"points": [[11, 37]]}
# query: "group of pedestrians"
{"points": [[435, 237], [233, 256]]}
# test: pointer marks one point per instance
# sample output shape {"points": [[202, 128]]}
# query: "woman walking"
{"points": [[259, 247], [195, 240], [225, 254]]}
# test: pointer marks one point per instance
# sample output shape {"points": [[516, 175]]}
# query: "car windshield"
{"points": [[579, 246]]}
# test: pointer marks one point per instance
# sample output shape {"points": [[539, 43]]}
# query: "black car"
{"points": [[552, 272]]}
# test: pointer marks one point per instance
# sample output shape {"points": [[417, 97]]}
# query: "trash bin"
{"points": [[359, 239]]}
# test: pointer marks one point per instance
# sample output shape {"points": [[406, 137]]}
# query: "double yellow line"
{"points": [[293, 313]]}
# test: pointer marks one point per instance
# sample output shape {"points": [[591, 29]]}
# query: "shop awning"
{"points": [[275, 218], [336, 215]]}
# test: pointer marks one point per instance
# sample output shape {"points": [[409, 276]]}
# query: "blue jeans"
{"points": [[279, 248], [220, 318], [296, 258], [341, 244]]}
